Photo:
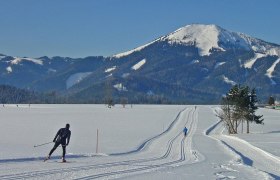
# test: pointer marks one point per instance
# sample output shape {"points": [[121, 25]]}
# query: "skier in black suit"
{"points": [[62, 138]]}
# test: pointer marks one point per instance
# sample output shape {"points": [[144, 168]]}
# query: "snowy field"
{"points": [[139, 142]]}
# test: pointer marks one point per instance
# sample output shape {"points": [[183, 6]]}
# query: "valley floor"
{"points": [[139, 142]]}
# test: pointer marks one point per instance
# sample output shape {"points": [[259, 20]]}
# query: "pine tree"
{"points": [[251, 116], [239, 105]]}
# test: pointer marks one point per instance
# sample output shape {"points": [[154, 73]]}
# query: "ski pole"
{"points": [[42, 144]]}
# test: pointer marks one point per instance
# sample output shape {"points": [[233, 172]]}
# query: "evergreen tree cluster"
{"points": [[13, 95], [239, 106]]}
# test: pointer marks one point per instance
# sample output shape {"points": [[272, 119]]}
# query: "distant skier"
{"points": [[185, 131], [62, 138]]}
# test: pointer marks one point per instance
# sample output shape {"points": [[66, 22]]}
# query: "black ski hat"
{"points": [[67, 126]]}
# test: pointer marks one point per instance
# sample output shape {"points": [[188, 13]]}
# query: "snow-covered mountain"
{"points": [[211, 37], [196, 63]]}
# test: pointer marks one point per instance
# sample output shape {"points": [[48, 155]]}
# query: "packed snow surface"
{"points": [[139, 64], [135, 142], [76, 78]]}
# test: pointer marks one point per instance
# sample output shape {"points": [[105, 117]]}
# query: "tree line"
{"points": [[13, 95]]}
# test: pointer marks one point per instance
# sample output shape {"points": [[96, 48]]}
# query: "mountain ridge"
{"points": [[231, 37], [205, 60]]}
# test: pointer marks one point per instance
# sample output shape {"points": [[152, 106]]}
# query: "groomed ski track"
{"points": [[249, 154], [177, 151], [205, 153]]}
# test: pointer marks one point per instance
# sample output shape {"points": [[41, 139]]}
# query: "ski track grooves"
{"points": [[182, 158], [247, 160]]}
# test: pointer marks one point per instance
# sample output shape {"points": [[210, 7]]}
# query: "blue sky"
{"points": [[80, 28]]}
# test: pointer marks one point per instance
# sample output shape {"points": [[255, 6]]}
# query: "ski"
{"points": [[47, 158]]}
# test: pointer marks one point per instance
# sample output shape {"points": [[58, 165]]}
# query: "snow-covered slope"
{"points": [[14, 61], [251, 62], [18, 60], [204, 37], [208, 37], [269, 72], [139, 64], [76, 78], [110, 69], [133, 50]]}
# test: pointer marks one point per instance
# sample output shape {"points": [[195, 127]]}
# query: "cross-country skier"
{"points": [[185, 130], [62, 138]]}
